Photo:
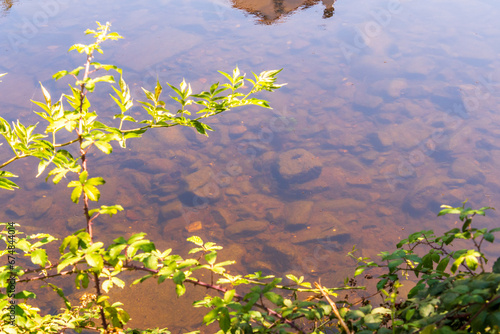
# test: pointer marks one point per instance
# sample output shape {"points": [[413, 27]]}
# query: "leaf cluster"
{"points": [[453, 291]]}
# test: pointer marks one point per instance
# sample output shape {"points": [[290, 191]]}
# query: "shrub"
{"points": [[463, 298]]}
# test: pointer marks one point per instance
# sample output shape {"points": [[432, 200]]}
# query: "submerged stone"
{"points": [[465, 168], [425, 192], [246, 228], [360, 180], [298, 213], [222, 217], [384, 138], [369, 156], [74, 223], [344, 204], [198, 178], [202, 185], [324, 229], [299, 166], [195, 226], [41, 206], [16, 209], [171, 210], [237, 131], [159, 165]]}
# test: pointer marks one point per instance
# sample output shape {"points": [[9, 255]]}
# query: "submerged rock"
{"points": [[298, 166], [198, 179], [344, 204], [195, 226], [41, 206], [237, 131], [202, 185], [427, 192], [74, 223], [265, 161], [325, 229], [384, 138], [171, 210], [246, 228], [17, 210], [359, 180], [297, 214], [222, 217], [464, 168]]}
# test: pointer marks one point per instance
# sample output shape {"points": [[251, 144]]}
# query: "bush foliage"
{"points": [[454, 291]]}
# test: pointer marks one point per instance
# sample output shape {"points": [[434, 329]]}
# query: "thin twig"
{"points": [[17, 157], [334, 307], [484, 307]]}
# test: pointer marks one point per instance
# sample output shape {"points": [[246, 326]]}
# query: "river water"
{"points": [[395, 105]]}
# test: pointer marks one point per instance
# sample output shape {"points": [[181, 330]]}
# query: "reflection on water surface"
{"points": [[270, 11], [384, 118], [5, 5]]}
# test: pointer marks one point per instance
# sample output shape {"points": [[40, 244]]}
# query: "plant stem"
{"points": [[334, 307], [98, 293], [12, 160], [83, 154]]}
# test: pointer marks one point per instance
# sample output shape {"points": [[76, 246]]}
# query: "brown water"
{"points": [[395, 101]]}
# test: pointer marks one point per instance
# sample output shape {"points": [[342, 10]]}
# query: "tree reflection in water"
{"points": [[5, 5], [270, 11]]}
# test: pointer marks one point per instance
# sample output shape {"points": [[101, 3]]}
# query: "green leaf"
{"points": [[428, 329], [104, 146], [151, 262], [228, 295], [381, 284], [443, 264], [354, 314], [82, 280], [92, 192], [410, 314], [104, 78], [118, 282], [76, 193], [196, 240], [274, 298], [83, 176], [95, 261], [180, 289], [46, 95], [39, 256], [448, 211], [359, 271], [108, 210], [496, 266], [425, 310], [107, 285], [179, 277], [24, 295], [489, 237], [95, 181], [8, 184], [394, 264], [211, 257], [136, 237], [115, 250], [224, 319], [471, 262]]}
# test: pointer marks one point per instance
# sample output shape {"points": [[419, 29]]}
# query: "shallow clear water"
{"points": [[397, 100]]}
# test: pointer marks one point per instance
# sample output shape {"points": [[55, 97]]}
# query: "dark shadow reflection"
{"points": [[5, 6], [270, 11]]}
